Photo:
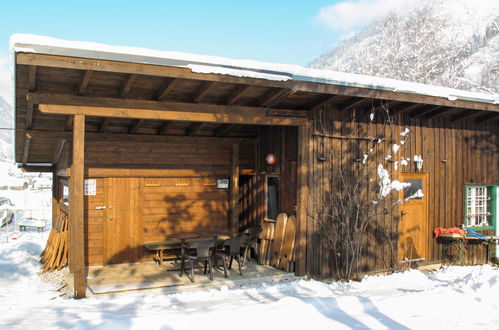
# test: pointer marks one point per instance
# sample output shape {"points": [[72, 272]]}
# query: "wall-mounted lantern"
{"points": [[270, 159]]}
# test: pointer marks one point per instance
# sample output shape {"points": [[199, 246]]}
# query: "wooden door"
{"points": [[413, 225], [123, 223]]}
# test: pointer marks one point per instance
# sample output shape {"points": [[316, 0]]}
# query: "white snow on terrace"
{"points": [[451, 298], [241, 68]]}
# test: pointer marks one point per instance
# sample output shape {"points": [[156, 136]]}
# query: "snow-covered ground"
{"points": [[451, 298]]}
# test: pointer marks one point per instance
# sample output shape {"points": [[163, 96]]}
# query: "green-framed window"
{"points": [[480, 207]]}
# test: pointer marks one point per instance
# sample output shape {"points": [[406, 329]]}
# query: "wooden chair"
{"points": [[249, 241], [232, 249], [200, 251]]}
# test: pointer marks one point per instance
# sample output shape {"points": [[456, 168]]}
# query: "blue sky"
{"points": [[282, 31]]}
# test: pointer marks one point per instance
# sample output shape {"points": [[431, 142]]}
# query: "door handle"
{"points": [[102, 207]]}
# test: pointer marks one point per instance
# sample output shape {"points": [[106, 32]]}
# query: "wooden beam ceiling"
{"points": [[136, 125], [163, 130], [103, 125], [194, 128], [327, 99], [464, 114], [225, 129], [439, 112], [165, 88], [487, 117], [299, 86], [85, 80], [274, 97], [127, 85], [205, 88], [421, 112], [408, 108], [236, 94], [348, 106]]}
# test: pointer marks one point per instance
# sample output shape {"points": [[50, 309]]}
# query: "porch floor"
{"points": [[150, 275]]}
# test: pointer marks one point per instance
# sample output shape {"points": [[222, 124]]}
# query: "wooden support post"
{"points": [[234, 189], [55, 197], [302, 191], [76, 205]]}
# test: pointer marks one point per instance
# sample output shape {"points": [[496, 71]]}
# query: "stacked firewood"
{"points": [[55, 255]]}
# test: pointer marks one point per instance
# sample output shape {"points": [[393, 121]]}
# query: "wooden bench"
{"points": [[32, 223], [160, 246]]}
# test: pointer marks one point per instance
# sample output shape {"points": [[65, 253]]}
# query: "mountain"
{"points": [[6, 133], [452, 43]]}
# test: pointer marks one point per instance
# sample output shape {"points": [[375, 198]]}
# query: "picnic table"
{"points": [[33, 223]]}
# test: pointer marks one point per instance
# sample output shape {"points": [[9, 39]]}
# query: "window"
{"points": [[413, 189], [272, 197], [480, 206]]}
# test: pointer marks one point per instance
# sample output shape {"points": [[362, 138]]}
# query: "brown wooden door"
{"points": [[123, 224], [413, 225]]}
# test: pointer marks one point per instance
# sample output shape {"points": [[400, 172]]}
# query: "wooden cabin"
{"points": [[143, 143]]}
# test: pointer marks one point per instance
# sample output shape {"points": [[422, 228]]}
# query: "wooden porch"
{"points": [[150, 275]]}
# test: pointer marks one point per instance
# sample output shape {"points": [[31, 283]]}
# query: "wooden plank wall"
{"points": [[455, 153]]}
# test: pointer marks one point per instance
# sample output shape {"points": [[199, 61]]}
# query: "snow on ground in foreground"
{"points": [[452, 298]]}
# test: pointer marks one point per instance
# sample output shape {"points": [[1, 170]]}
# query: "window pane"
{"points": [[416, 184], [272, 198]]}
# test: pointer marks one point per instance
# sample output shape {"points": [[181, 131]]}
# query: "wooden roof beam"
{"points": [[206, 113], [136, 125], [274, 97], [27, 143], [421, 112], [324, 100], [194, 128], [205, 88], [408, 108], [127, 85], [165, 88], [163, 130], [58, 151], [385, 105], [464, 114], [225, 129], [487, 117], [236, 94], [32, 78], [103, 125], [85, 80], [359, 103], [69, 124], [439, 112]]}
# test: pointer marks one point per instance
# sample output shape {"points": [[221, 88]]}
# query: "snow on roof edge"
{"points": [[233, 67]]}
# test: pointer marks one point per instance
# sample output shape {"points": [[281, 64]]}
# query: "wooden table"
{"points": [[187, 237]]}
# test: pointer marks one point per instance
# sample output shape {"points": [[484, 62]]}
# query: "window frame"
{"points": [[493, 198]]}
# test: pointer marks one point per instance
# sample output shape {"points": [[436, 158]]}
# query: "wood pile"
{"points": [[55, 255]]}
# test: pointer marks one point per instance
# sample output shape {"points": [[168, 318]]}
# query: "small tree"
{"points": [[361, 195]]}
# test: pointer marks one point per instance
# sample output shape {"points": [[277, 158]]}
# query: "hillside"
{"points": [[452, 43]]}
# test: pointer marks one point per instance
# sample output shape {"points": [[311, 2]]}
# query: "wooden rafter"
{"points": [[29, 114], [328, 99], [69, 123], [274, 97], [225, 129], [32, 78], [408, 108], [194, 128], [85, 80], [127, 85], [385, 105], [422, 112], [205, 88], [439, 112], [103, 125], [236, 94], [464, 114], [27, 143], [359, 103], [163, 130], [487, 117], [165, 88], [58, 151], [136, 125]]}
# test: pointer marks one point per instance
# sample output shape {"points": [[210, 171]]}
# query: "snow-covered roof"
{"points": [[240, 68]]}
